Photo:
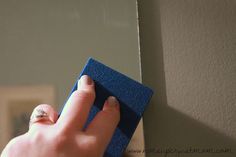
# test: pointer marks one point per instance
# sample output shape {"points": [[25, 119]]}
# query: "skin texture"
{"points": [[64, 136]]}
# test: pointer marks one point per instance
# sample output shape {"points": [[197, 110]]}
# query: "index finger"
{"points": [[76, 109]]}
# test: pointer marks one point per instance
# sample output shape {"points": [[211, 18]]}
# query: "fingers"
{"points": [[77, 107], [105, 122], [43, 114]]}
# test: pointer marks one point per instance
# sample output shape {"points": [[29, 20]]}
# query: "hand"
{"points": [[51, 136]]}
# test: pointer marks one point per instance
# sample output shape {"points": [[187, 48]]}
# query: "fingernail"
{"points": [[112, 101], [86, 80]]}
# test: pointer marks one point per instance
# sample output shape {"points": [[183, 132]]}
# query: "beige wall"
{"points": [[188, 52]]}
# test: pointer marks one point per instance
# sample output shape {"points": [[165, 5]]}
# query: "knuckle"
{"points": [[113, 115], [37, 137], [85, 94], [57, 141], [88, 143]]}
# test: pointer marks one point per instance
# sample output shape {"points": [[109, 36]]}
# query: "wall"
{"points": [[48, 42], [188, 50]]}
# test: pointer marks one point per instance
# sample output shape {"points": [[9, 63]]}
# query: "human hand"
{"points": [[51, 136]]}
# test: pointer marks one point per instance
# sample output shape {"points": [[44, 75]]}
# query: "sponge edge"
{"points": [[133, 97]]}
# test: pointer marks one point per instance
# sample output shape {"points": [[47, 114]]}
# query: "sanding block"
{"points": [[132, 96]]}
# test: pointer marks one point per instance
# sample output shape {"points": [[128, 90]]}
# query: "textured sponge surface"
{"points": [[133, 98]]}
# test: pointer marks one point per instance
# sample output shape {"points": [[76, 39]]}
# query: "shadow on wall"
{"points": [[166, 129]]}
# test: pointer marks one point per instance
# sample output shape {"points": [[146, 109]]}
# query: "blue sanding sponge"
{"points": [[132, 96]]}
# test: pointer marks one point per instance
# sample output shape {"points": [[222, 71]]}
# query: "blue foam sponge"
{"points": [[133, 98]]}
